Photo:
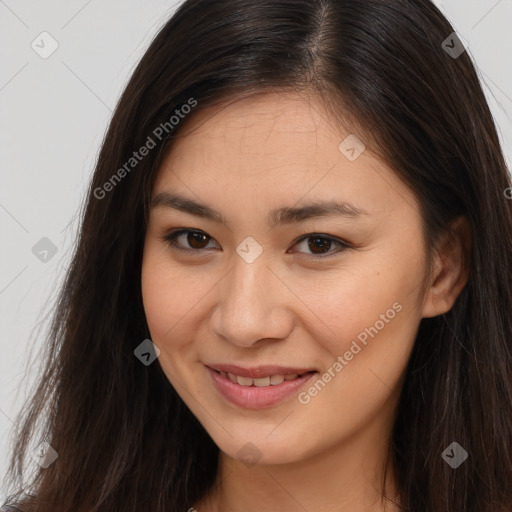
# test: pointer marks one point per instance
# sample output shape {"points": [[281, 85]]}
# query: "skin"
{"points": [[287, 308]]}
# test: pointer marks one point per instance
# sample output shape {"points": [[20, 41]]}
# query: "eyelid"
{"points": [[343, 245], [171, 236]]}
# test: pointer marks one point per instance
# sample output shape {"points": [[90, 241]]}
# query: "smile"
{"points": [[257, 392], [261, 382]]}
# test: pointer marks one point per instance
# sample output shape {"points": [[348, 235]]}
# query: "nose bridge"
{"points": [[250, 304], [247, 292]]}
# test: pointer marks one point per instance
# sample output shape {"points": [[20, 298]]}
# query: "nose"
{"points": [[253, 305]]}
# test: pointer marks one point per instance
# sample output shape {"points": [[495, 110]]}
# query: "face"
{"points": [[282, 324]]}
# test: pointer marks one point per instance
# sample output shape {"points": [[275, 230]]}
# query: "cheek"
{"points": [[166, 292], [376, 303], [163, 306], [159, 303], [375, 327], [355, 320], [163, 311], [173, 299]]}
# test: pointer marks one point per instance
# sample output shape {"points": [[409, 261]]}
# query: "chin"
{"points": [[257, 447]]}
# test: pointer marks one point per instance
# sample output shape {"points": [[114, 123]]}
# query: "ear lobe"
{"points": [[452, 265]]}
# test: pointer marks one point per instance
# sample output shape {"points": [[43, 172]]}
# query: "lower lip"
{"points": [[253, 397]]}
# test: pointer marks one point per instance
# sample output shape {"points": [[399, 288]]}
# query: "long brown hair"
{"points": [[125, 440]]}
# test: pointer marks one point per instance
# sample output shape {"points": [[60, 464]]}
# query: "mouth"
{"points": [[262, 382], [257, 372], [266, 388]]}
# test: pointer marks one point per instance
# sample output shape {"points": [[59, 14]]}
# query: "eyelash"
{"points": [[170, 239]]}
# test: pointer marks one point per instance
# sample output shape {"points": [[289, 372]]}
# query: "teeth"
{"points": [[263, 382], [276, 379], [244, 381]]}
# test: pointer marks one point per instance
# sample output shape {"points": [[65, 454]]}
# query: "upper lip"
{"points": [[256, 372]]}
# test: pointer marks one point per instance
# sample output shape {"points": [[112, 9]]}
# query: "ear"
{"points": [[451, 268]]}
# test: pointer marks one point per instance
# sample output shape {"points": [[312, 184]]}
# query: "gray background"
{"points": [[54, 113]]}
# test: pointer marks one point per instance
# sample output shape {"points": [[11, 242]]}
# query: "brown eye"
{"points": [[197, 240], [319, 246], [187, 240]]}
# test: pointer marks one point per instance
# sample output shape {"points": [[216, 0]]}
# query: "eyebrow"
{"points": [[279, 216]]}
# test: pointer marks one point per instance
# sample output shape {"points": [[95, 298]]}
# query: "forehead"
{"points": [[281, 146], [271, 125]]}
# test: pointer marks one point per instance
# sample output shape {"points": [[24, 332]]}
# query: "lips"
{"points": [[259, 386], [258, 392]]}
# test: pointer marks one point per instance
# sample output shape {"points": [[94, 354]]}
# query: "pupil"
{"points": [[194, 238], [321, 243]]}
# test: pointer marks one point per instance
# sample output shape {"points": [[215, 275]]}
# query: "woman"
{"points": [[292, 281]]}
